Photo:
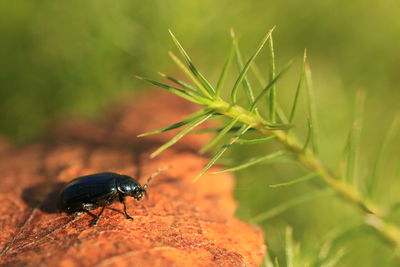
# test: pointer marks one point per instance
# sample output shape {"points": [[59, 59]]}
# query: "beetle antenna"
{"points": [[157, 172]]}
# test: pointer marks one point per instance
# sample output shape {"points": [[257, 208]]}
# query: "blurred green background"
{"points": [[73, 57]]}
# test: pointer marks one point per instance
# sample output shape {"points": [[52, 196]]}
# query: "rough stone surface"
{"points": [[180, 224]]}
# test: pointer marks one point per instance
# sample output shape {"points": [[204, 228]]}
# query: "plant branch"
{"points": [[250, 119]]}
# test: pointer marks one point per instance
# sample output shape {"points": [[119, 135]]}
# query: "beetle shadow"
{"points": [[43, 196]]}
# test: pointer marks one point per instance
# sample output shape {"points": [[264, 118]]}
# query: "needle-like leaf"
{"points": [[267, 261], [256, 141], [382, 153], [264, 216], [334, 260], [257, 73], [299, 85], [296, 181], [276, 262], [272, 93], [278, 127], [243, 129], [190, 75], [254, 161], [309, 134], [188, 87], [239, 61], [217, 130], [193, 69], [354, 139], [222, 77], [269, 86], [218, 137], [247, 66], [289, 247], [312, 109], [177, 137], [177, 91], [186, 121]]}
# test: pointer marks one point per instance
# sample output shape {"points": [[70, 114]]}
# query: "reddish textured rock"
{"points": [[180, 224]]}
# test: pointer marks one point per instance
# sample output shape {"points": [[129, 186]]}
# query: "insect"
{"points": [[89, 192]]}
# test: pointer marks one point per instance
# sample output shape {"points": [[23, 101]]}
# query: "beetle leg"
{"points": [[88, 212], [122, 200], [94, 222]]}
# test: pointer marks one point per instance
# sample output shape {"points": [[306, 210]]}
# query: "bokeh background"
{"points": [[75, 57]]}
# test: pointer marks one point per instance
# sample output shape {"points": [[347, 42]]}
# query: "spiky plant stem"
{"points": [[213, 104]]}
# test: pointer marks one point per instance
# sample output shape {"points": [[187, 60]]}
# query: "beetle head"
{"points": [[139, 193], [127, 186]]}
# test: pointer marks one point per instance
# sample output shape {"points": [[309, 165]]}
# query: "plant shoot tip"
{"points": [[232, 32], [162, 74]]}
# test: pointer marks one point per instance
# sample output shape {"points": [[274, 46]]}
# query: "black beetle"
{"points": [[100, 190]]}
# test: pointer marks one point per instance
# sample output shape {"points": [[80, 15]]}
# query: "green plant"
{"points": [[269, 120], [324, 256]]}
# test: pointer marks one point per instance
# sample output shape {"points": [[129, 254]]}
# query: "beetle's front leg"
{"points": [[122, 200]]}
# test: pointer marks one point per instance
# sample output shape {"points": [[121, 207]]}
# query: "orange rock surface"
{"points": [[180, 224]]}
